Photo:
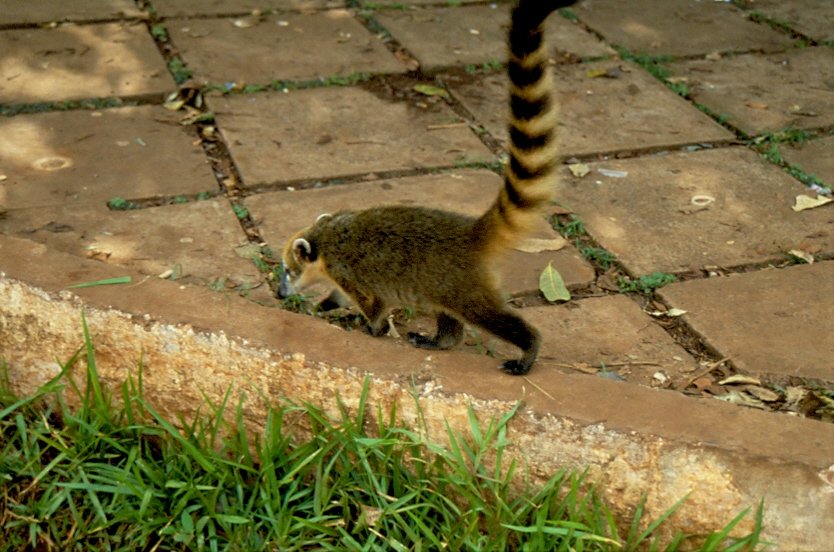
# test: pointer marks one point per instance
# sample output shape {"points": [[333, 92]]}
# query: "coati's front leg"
{"points": [[500, 321], [375, 311], [449, 334], [335, 300], [373, 308]]}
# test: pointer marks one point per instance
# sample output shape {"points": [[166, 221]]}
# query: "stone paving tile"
{"points": [[336, 131], [647, 218], [677, 27], [74, 62], [285, 46], [66, 158], [768, 322], [197, 237], [396, 3], [596, 114], [441, 37], [179, 8], [47, 11], [280, 214], [764, 93], [813, 18], [611, 330], [815, 157]]}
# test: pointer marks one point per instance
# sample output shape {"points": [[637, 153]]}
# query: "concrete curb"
{"points": [[634, 440]]}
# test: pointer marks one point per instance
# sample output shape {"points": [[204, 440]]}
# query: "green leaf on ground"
{"points": [[552, 285], [105, 282], [429, 90]]}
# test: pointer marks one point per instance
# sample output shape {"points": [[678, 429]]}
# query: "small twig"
{"points": [[539, 388], [445, 126], [360, 142], [710, 367]]}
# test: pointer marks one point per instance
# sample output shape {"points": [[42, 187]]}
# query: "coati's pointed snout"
{"points": [[285, 287]]}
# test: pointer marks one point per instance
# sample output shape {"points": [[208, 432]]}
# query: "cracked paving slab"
{"points": [[195, 240], [611, 334], [814, 157], [598, 114], [442, 37], [281, 214], [75, 62], [767, 322], [813, 18], [73, 157], [180, 8], [48, 11], [757, 93], [683, 211], [678, 27], [332, 132], [283, 46]]}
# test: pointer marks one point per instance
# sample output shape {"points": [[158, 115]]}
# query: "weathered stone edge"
{"points": [[634, 440]]}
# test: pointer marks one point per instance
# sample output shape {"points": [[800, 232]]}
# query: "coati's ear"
{"points": [[304, 250], [323, 216]]}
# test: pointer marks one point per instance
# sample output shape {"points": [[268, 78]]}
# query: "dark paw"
{"points": [[328, 305], [377, 331], [515, 367], [421, 341]]}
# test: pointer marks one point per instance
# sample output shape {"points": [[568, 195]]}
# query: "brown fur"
{"points": [[386, 256]]}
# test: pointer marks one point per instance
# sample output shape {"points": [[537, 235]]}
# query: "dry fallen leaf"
{"points": [[673, 312], [793, 394], [762, 393], [608, 73], [740, 379], [827, 475], [537, 245], [429, 90], [807, 202], [800, 254], [579, 169], [743, 399], [660, 377], [702, 383], [248, 21]]}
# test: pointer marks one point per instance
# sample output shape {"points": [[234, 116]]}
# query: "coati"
{"points": [[427, 258]]}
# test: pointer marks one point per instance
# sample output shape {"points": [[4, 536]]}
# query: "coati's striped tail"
{"points": [[529, 175]]}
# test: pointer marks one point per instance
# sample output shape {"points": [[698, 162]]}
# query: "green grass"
{"points": [[179, 71], [768, 146], [121, 204], [657, 67], [569, 227], [10, 110], [646, 283], [114, 474], [241, 212], [602, 257], [489, 66]]}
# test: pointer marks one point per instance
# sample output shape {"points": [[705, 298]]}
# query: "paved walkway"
{"points": [[689, 130]]}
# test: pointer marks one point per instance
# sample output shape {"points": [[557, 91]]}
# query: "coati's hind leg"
{"points": [[500, 321], [449, 334]]}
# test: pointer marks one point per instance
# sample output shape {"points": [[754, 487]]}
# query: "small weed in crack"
{"points": [[645, 284]]}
